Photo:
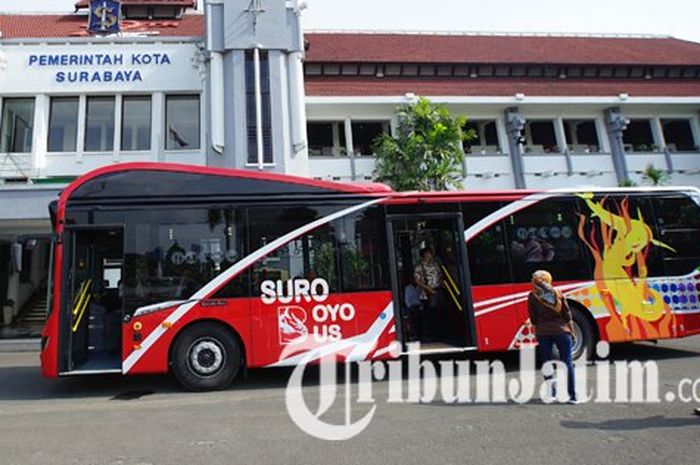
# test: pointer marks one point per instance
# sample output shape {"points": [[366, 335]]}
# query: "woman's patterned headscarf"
{"points": [[544, 292]]}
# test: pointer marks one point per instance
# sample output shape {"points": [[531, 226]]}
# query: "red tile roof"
{"points": [[48, 26], [430, 48], [183, 3], [338, 86]]}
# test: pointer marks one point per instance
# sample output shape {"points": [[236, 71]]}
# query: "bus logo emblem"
{"points": [[292, 325]]}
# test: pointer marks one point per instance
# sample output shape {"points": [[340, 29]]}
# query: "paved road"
{"points": [[129, 421]]}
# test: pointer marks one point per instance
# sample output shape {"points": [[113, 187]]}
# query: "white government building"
{"points": [[240, 85]]}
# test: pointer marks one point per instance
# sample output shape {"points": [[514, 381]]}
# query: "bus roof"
{"points": [[517, 194], [92, 185], [159, 180]]}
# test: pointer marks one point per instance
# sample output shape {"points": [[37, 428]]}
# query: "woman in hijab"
{"points": [[551, 317]]}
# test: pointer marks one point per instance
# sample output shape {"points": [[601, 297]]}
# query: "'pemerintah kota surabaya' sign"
{"points": [[99, 67], [102, 67]]}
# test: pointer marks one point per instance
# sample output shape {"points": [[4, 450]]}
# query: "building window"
{"points": [[365, 133], [17, 125], [638, 136], [541, 137], [581, 136], [63, 124], [678, 135], [182, 122], [326, 139], [251, 114], [99, 125], [486, 140], [136, 123]]}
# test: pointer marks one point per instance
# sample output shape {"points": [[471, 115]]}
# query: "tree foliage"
{"points": [[426, 153], [654, 176]]}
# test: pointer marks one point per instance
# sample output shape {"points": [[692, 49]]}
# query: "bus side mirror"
{"points": [[16, 257]]}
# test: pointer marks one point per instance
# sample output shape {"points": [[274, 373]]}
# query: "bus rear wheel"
{"points": [[206, 357], [585, 336]]}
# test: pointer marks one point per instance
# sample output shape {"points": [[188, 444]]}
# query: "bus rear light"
{"points": [[137, 326], [137, 346], [166, 325]]}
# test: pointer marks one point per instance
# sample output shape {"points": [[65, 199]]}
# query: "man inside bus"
{"points": [[428, 277]]}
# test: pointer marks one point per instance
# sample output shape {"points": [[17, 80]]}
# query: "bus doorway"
{"points": [[93, 314], [444, 319]]}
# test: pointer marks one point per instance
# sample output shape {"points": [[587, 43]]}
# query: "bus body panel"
{"points": [[50, 335], [275, 332], [351, 325]]}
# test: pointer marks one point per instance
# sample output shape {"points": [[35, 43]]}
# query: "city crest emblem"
{"points": [[104, 17]]}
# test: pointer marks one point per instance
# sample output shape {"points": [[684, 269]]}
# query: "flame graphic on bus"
{"points": [[292, 327], [620, 245]]}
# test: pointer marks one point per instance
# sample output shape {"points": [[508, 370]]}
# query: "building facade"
{"points": [[240, 86]]}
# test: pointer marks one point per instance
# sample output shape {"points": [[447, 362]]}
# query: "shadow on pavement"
{"points": [[633, 424]]}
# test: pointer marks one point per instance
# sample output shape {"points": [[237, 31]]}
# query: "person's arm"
{"points": [[531, 309], [566, 312], [418, 278]]}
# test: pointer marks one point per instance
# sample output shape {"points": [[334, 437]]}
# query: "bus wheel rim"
{"points": [[206, 357], [578, 342]]}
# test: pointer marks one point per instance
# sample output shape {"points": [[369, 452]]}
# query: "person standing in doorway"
{"points": [[428, 278], [551, 316]]}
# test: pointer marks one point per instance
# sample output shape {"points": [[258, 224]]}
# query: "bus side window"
{"points": [[488, 260], [678, 220], [313, 255], [545, 236], [363, 256]]}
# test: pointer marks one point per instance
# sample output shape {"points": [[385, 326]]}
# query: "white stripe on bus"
{"points": [[230, 273]]}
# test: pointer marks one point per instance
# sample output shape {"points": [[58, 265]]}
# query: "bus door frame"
{"points": [[67, 240], [466, 286]]}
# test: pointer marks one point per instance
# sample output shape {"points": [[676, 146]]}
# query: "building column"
{"points": [[615, 124], [660, 141], [159, 131], [82, 113], [41, 134], [117, 142], [515, 123], [349, 144], [560, 134]]}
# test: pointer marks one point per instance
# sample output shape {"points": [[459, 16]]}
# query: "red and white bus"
{"points": [[204, 272]]}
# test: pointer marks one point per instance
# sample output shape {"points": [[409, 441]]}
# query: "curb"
{"points": [[20, 345]]}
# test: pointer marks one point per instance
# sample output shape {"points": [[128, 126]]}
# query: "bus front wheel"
{"points": [[206, 357]]}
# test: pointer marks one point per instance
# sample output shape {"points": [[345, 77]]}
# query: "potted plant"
{"points": [[8, 311]]}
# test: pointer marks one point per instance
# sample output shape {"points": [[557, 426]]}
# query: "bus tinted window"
{"points": [[172, 253], [612, 227], [310, 256], [347, 252], [544, 236], [488, 261], [678, 220], [363, 255]]}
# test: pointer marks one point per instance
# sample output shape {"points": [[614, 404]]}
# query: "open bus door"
{"points": [[449, 325], [91, 317]]}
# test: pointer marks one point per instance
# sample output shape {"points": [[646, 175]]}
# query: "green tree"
{"points": [[426, 153]]}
